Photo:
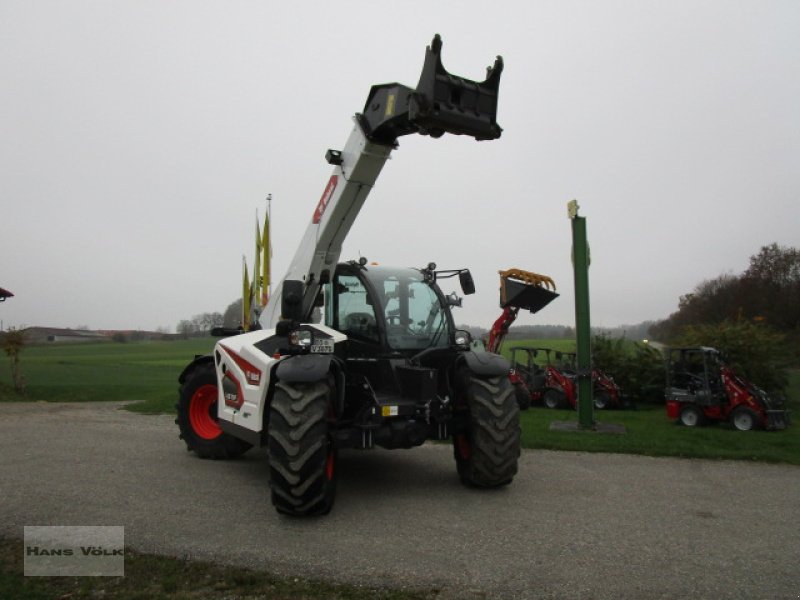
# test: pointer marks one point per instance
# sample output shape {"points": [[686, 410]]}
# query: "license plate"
{"points": [[323, 346]]}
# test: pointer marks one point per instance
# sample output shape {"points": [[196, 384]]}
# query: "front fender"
{"points": [[486, 364], [304, 368], [200, 359]]}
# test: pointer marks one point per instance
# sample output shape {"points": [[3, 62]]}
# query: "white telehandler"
{"points": [[386, 366]]}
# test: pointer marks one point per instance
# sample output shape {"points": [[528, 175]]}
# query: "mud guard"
{"points": [[486, 364], [199, 359], [304, 368]]}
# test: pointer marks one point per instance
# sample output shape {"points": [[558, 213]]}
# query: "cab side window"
{"points": [[353, 312]]}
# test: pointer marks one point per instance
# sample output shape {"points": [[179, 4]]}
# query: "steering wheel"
{"points": [[359, 321]]}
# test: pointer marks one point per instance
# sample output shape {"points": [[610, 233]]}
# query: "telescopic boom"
{"points": [[441, 103]]}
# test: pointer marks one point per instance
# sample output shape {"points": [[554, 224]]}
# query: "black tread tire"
{"points": [[522, 395], [601, 400], [486, 456], [553, 398], [221, 447], [301, 450], [738, 423], [691, 416]]}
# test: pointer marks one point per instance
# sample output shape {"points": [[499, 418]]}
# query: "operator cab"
{"points": [[388, 309], [695, 372]]}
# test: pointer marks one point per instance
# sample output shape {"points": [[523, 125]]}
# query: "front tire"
{"points": [[302, 458], [522, 395], [554, 398], [691, 416], [602, 400], [487, 453], [197, 417], [744, 419]]}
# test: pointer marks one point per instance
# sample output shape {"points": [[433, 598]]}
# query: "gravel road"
{"points": [[572, 525]]}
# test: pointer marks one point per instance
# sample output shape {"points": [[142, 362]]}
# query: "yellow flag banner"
{"points": [[257, 282], [246, 291], [265, 262]]}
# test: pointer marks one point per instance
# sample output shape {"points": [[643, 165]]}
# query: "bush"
{"points": [[636, 367], [756, 352]]}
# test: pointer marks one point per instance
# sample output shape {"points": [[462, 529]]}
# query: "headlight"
{"points": [[300, 337], [462, 338]]}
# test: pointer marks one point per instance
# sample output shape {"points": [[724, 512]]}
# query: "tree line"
{"points": [[753, 318], [203, 323], [766, 293]]}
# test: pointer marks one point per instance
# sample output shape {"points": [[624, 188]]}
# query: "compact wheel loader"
{"points": [[519, 290], [384, 366], [701, 389]]}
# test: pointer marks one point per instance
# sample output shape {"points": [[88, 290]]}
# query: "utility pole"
{"points": [[580, 265]]}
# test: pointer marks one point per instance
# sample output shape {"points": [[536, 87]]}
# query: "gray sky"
{"points": [[138, 138]]}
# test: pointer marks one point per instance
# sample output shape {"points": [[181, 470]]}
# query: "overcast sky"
{"points": [[138, 139]]}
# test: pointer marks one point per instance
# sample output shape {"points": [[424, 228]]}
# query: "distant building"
{"points": [[41, 335]]}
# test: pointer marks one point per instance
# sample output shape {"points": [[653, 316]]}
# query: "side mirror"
{"points": [[292, 300], [466, 281]]}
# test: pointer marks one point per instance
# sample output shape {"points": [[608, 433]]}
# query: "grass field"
{"points": [[648, 432], [148, 372]]}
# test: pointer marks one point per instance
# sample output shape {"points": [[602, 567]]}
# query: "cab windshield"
{"points": [[410, 307], [398, 301]]}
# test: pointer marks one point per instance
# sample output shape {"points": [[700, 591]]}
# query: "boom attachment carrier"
{"points": [[441, 103]]}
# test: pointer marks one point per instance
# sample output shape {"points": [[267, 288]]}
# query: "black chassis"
{"points": [[386, 397]]}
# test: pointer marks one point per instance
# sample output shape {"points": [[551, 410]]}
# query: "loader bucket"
{"points": [[445, 103], [523, 289]]}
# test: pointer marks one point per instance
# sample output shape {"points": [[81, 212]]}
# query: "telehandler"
{"points": [[385, 366]]}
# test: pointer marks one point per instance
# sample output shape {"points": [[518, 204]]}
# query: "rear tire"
{"points": [[197, 417], [486, 455], [691, 416], [302, 458], [744, 419]]}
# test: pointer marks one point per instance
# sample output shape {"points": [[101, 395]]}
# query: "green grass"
{"points": [[148, 576], [650, 433], [146, 371]]}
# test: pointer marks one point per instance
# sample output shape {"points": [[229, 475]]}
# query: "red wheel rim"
{"points": [[462, 445], [203, 412], [330, 465], [330, 461]]}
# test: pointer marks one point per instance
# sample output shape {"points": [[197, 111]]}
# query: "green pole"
{"points": [[580, 264]]}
